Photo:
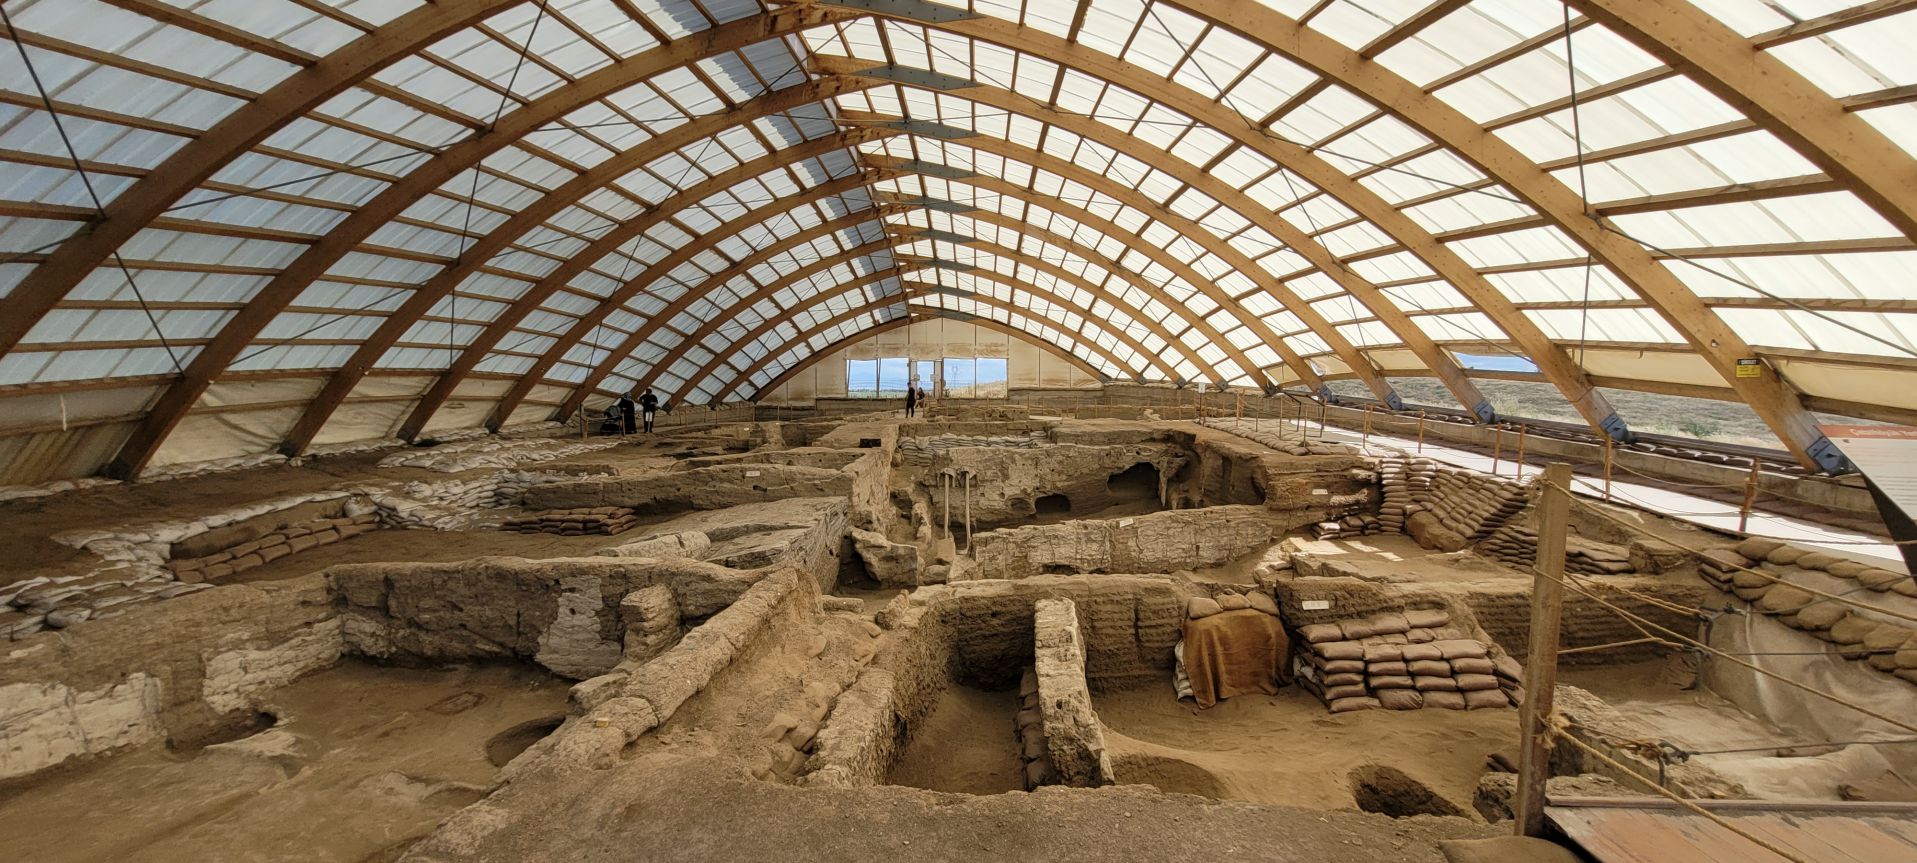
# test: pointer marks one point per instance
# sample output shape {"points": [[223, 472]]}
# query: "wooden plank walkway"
{"points": [[1639, 830]]}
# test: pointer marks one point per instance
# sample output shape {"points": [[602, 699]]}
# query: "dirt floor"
{"points": [[1289, 750], [1396, 557], [364, 760], [1700, 721], [966, 745], [27, 549]]}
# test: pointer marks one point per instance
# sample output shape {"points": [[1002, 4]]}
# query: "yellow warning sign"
{"points": [[1749, 368]]}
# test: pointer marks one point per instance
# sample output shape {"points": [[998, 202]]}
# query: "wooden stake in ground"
{"points": [[1541, 667]]}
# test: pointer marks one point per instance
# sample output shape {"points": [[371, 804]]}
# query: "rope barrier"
{"points": [[1672, 796]]}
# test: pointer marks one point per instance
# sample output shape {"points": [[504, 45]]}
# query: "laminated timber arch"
{"points": [[449, 163], [1773, 400], [422, 300], [202, 157], [1773, 95], [706, 329], [1068, 210], [988, 323], [612, 360]]}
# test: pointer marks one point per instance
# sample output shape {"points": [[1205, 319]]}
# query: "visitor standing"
{"points": [[911, 400], [648, 405], [626, 408]]}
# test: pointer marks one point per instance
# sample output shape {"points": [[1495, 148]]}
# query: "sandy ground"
{"points": [[1697, 720], [966, 745], [382, 754], [1288, 750]]}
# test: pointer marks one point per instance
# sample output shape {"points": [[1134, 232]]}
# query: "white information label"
{"points": [[1316, 604], [1317, 491], [1124, 522], [752, 473]]}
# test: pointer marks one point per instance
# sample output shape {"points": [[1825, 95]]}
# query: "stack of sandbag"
{"points": [[1403, 661], [1401, 479], [1516, 545], [1761, 571], [598, 520], [1349, 526]]}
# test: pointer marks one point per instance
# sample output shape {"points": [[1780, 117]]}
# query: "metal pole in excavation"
{"points": [[1750, 499], [1541, 663]]}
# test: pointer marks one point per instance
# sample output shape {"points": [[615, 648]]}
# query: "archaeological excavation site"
{"points": [[881, 431]]}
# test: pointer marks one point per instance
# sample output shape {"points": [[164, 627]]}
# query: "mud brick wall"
{"points": [[1130, 624], [563, 614], [1156, 542], [1073, 737], [1506, 616], [1006, 482], [177, 670]]}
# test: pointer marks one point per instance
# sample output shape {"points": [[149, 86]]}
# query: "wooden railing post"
{"points": [[1541, 662], [1750, 499]]}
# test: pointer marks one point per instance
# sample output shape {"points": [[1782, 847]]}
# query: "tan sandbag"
{"points": [[1427, 618], [1852, 630], [1342, 666], [1201, 607], [1757, 547], [1400, 699], [1388, 623], [1233, 602], [1508, 668], [1333, 693], [1413, 652], [1785, 598], [1481, 699], [1384, 652], [1476, 682], [1320, 633], [1785, 555], [1344, 679], [1339, 650], [1394, 681], [1820, 616], [1446, 700], [1461, 648], [1429, 668], [1355, 629], [1343, 705], [1386, 669], [1263, 602], [1473, 666], [1434, 684]]}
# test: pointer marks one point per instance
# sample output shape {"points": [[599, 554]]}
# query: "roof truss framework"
{"points": [[1367, 175]]}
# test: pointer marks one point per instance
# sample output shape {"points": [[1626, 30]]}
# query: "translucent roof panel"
{"points": [[578, 195]]}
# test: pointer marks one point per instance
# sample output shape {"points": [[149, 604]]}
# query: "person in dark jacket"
{"points": [[911, 400], [626, 408], [648, 405]]}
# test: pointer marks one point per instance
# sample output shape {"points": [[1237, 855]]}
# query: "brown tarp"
{"points": [[1234, 653]]}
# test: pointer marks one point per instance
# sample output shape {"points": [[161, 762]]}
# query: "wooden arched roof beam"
{"points": [[772, 322], [1553, 362], [423, 180], [712, 326], [423, 299], [1768, 395], [988, 323], [706, 329], [1388, 313], [798, 343], [1089, 254], [197, 161], [1779, 99]]}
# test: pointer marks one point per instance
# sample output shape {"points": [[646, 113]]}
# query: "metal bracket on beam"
{"points": [[913, 10], [1827, 456], [1326, 395], [1614, 426], [1484, 412], [1393, 402]]}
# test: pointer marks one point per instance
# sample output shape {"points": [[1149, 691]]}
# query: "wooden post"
{"points": [[1521, 430], [1324, 408], [1364, 440], [1240, 418], [1750, 499], [1607, 468], [1541, 663], [1497, 448]]}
